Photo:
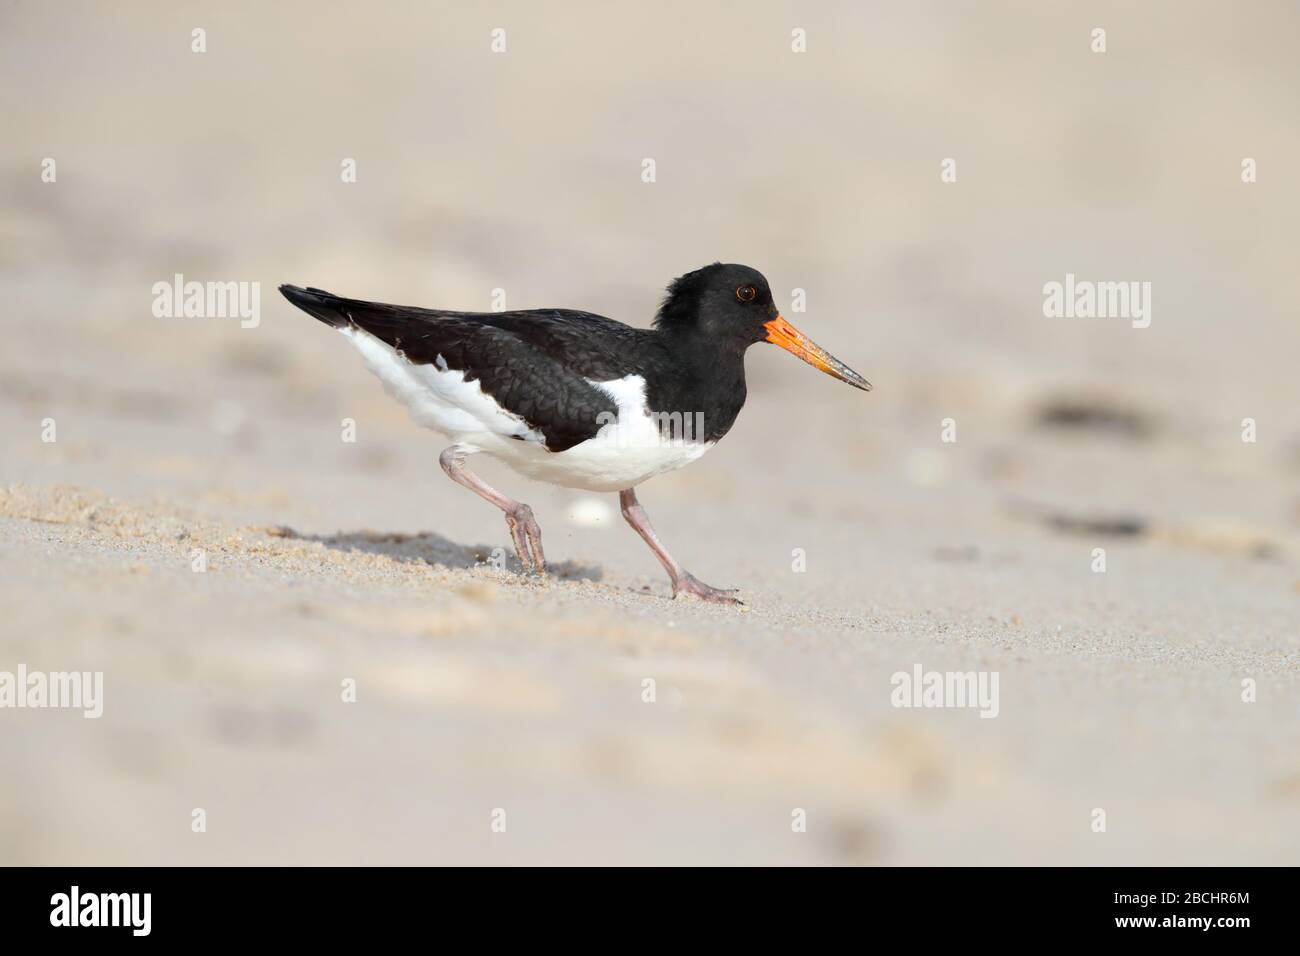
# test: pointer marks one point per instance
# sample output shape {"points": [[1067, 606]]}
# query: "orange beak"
{"points": [[782, 333]]}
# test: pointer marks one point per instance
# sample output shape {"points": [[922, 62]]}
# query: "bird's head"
{"points": [[733, 303]]}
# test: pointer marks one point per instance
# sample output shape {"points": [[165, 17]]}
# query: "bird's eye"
{"points": [[746, 293]]}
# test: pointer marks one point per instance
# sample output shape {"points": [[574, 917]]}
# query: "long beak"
{"points": [[782, 333]]}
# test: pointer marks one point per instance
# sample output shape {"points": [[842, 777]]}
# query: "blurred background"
{"points": [[521, 170]]}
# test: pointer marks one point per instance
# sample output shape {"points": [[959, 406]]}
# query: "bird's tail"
{"points": [[320, 304]]}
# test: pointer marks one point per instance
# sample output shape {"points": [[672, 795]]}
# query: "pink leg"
{"points": [[524, 531], [683, 580]]}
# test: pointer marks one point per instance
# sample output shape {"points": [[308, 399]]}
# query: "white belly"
{"points": [[624, 453], [602, 463]]}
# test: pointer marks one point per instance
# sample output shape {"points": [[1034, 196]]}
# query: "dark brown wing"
{"points": [[535, 364]]}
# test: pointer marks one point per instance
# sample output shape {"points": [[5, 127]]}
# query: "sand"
{"points": [[332, 564]]}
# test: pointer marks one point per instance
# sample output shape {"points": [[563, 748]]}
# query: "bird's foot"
{"points": [[527, 537], [688, 583]]}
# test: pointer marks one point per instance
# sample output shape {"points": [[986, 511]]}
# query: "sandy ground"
{"points": [[478, 690]]}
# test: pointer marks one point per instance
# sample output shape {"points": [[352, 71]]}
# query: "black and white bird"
{"points": [[576, 399]]}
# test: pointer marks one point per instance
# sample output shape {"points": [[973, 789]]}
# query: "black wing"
{"points": [[534, 364]]}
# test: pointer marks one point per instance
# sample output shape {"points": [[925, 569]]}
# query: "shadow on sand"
{"points": [[428, 547]]}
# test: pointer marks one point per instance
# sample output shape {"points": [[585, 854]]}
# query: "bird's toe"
{"points": [[690, 584]]}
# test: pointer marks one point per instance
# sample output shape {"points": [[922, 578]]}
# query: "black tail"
{"points": [[320, 304]]}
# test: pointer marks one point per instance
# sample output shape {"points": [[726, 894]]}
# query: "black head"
{"points": [[724, 301], [732, 305]]}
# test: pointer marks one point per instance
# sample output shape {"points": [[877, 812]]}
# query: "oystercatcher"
{"points": [[577, 399]]}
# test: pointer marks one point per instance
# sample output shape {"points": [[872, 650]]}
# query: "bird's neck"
{"points": [[705, 379]]}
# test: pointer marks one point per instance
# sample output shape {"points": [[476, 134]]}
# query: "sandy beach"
{"points": [[181, 510]]}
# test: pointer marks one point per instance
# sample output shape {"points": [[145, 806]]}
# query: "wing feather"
{"points": [[537, 364]]}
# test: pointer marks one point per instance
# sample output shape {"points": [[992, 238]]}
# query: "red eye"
{"points": [[746, 293]]}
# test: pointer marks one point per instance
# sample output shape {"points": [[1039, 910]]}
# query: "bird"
{"points": [[576, 399]]}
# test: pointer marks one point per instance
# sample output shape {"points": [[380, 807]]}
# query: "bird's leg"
{"points": [[683, 580], [524, 531]]}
